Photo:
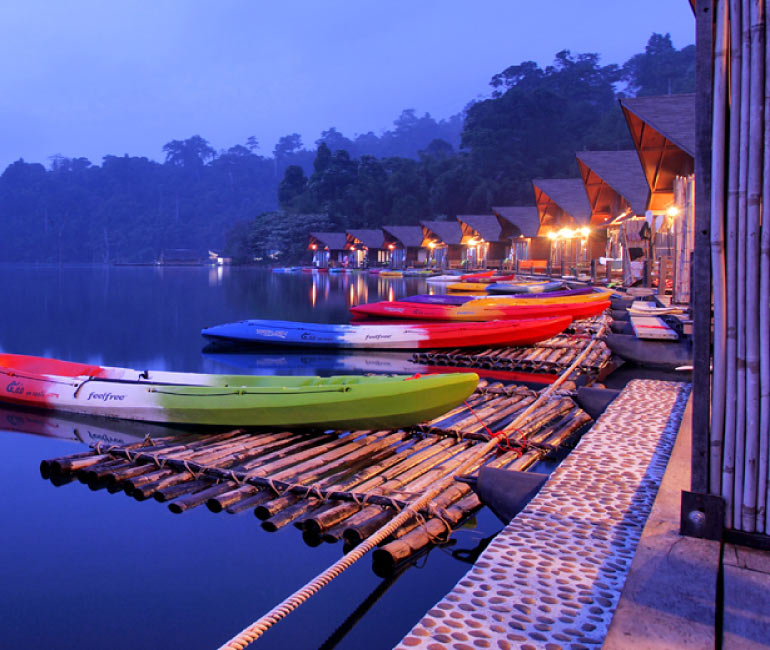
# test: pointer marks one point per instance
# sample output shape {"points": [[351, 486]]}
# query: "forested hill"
{"points": [[131, 208]]}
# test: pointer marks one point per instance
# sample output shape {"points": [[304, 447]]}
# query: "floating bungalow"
{"points": [[527, 250], [618, 195], [444, 242], [663, 131], [406, 244], [328, 248], [367, 248], [486, 243], [565, 217]]}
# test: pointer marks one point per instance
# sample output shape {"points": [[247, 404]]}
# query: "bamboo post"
{"points": [[726, 465], [740, 428], [717, 234], [763, 512], [756, 136]]}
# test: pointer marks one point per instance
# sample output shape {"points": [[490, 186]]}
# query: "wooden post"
{"points": [[701, 278]]}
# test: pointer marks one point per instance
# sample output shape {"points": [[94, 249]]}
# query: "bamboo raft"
{"points": [[337, 486], [552, 356]]}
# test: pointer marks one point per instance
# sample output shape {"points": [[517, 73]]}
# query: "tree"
{"points": [[192, 153], [661, 69], [292, 186]]}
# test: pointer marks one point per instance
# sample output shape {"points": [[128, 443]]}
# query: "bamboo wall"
{"points": [[740, 264]]}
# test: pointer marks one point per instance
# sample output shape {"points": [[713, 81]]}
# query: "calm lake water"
{"points": [[82, 569]]}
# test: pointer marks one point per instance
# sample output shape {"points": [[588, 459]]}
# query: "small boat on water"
{"points": [[526, 287], [388, 337], [480, 310], [391, 273], [443, 279], [230, 400]]}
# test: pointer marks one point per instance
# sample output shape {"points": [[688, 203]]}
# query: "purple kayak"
{"points": [[549, 294], [440, 299]]}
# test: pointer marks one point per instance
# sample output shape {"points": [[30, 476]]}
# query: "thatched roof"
{"points": [[673, 116], [569, 194], [523, 217], [448, 232], [486, 225], [408, 236], [369, 237], [334, 241], [621, 171]]}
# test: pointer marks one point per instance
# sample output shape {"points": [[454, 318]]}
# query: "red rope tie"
{"points": [[498, 435]]}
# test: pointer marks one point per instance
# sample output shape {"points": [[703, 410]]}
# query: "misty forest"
{"points": [[244, 201]]}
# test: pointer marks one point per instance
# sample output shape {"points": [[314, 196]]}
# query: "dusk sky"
{"points": [[90, 78]]}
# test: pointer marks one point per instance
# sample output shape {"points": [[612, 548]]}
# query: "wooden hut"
{"points": [[663, 131], [528, 251], [444, 241], [367, 247], [565, 217], [484, 240], [618, 194], [328, 248], [407, 245]]}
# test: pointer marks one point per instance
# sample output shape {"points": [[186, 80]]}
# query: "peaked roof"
{"points": [[673, 116], [335, 241], [486, 225], [448, 232], [523, 217], [569, 194], [409, 236], [369, 237], [622, 171]]}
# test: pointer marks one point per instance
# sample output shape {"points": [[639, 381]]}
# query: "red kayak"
{"points": [[476, 276], [472, 311]]}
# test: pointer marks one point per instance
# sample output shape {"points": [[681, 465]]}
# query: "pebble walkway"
{"points": [[552, 578]]}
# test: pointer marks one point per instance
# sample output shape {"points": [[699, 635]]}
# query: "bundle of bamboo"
{"points": [[740, 263]]}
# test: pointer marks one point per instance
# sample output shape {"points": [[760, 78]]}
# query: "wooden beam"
{"points": [[701, 276]]}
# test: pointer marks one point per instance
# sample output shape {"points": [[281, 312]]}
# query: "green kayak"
{"points": [[341, 402]]}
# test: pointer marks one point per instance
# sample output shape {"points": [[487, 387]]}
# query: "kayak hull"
{"points": [[230, 400], [387, 336]]}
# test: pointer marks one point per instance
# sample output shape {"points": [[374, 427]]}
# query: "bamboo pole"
{"points": [[756, 122], [736, 496], [717, 236], [763, 512]]}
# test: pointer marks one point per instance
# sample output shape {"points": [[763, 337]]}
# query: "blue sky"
{"points": [[89, 78]]}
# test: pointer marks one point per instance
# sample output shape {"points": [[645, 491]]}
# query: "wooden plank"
{"points": [[652, 327]]}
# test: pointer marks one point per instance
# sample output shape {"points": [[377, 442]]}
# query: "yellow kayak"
{"points": [[391, 274], [599, 295]]}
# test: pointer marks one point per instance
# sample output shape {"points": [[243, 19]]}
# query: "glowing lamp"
{"points": [[552, 235], [391, 246], [585, 231], [432, 244], [566, 233], [672, 211], [313, 247]]}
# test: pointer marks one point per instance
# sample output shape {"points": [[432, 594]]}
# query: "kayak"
{"points": [[468, 286], [516, 287], [388, 337], [562, 293], [443, 279], [595, 295], [474, 276], [340, 402], [388, 273], [480, 310], [439, 299]]}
